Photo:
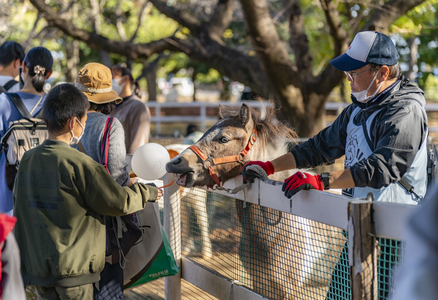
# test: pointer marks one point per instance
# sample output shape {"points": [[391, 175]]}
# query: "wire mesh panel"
{"points": [[390, 255], [278, 255]]}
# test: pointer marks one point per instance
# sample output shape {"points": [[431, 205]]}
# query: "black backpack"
{"points": [[7, 86]]}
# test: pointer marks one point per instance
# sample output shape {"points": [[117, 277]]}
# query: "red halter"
{"points": [[209, 162]]}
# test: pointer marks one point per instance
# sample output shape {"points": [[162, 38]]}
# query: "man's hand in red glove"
{"points": [[249, 175], [301, 181]]}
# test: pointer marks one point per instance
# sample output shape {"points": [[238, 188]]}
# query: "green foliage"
{"points": [[420, 22], [430, 83]]}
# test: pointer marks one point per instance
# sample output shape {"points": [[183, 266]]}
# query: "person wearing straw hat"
{"points": [[95, 81]]}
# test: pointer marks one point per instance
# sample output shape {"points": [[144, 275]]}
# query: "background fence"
{"points": [[205, 113]]}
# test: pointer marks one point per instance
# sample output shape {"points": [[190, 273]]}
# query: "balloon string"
{"points": [[167, 185]]}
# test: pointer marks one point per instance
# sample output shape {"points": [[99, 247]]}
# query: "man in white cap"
{"points": [[382, 134]]}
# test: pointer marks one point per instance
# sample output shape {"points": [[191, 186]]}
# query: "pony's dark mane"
{"points": [[268, 127]]}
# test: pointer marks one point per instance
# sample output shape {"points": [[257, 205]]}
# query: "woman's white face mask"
{"points": [[75, 140], [362, 95], [116, 86]]}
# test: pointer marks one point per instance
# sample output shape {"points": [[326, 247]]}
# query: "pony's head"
{"points": [[239, 136]]}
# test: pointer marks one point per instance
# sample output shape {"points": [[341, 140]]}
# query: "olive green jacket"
{"points": [[60, 196]]}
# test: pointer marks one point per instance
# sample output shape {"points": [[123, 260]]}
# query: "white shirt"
{"points": [[5, 78]]}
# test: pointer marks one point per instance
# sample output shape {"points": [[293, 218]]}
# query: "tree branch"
{"points": [[220, 19], [182, 18], [95, 16], [271, 51], [94, 40], [298, 39], [119, 21], [336, 30], [229, 62], [140, 20], [388, 13], [32, 32], [330, 76]]}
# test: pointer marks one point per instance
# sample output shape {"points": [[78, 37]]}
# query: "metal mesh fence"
{"points": [[278, 255], [390, 255]]}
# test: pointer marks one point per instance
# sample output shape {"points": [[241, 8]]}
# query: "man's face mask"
{"points": [[362, 95], [116, 86], [75, 140]]}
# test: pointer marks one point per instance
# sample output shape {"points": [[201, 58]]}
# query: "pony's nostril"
{"points": [[176, 161]]}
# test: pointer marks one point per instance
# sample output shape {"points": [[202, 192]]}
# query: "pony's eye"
{"points": [[224, 140]]}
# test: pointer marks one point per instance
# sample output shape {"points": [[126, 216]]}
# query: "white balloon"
{"points": [[149, 161]]}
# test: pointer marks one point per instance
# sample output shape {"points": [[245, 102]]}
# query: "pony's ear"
{"points": [[245, 114], [220, 112]]}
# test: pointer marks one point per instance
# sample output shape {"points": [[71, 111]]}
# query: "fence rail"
{"points": [[203, 118]]}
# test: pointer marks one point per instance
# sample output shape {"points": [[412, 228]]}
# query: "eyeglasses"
{"points": [[350, 75]]}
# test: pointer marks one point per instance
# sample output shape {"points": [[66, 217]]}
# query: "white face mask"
{"points": [[75, 140], [117, 87], [362, 95]]}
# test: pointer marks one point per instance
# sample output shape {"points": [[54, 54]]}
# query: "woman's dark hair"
{"points": [[394, 71], [63, 102], [39, 62], [105, 108], [135, 87]]}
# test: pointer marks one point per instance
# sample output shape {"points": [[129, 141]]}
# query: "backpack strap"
{"points": [[105, 144], [18, 103], [403, 182], [35, 106], [10, 84], [81, 147]]}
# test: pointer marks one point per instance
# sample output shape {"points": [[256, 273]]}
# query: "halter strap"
{"points": [[209, 162]]}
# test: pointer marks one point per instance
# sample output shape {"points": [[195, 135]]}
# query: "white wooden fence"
{"points": [[328, 208]]}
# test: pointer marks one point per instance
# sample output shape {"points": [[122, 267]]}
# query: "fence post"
{"points": [[362, 252], [158, 114], [203, 113], [172, 228]]}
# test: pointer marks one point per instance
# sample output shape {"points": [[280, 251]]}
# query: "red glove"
{"points": [[249, 175], [301, 181]]}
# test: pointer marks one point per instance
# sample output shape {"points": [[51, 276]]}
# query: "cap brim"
{"points": [[104, 97], [346, 63]]}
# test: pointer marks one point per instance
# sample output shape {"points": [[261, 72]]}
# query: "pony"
{"points": [[279, 251]]}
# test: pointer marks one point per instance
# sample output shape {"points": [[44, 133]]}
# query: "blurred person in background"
{"points": [[132, 112], [417, 276], [193, 135], [11, 58]]}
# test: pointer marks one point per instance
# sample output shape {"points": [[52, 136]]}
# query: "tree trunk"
{"points": [[72, 53], [151, 79], [312, 120], [413, 47], [193, 75]]}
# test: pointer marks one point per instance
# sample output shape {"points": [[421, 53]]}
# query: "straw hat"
{"points": [[95, 81]]}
